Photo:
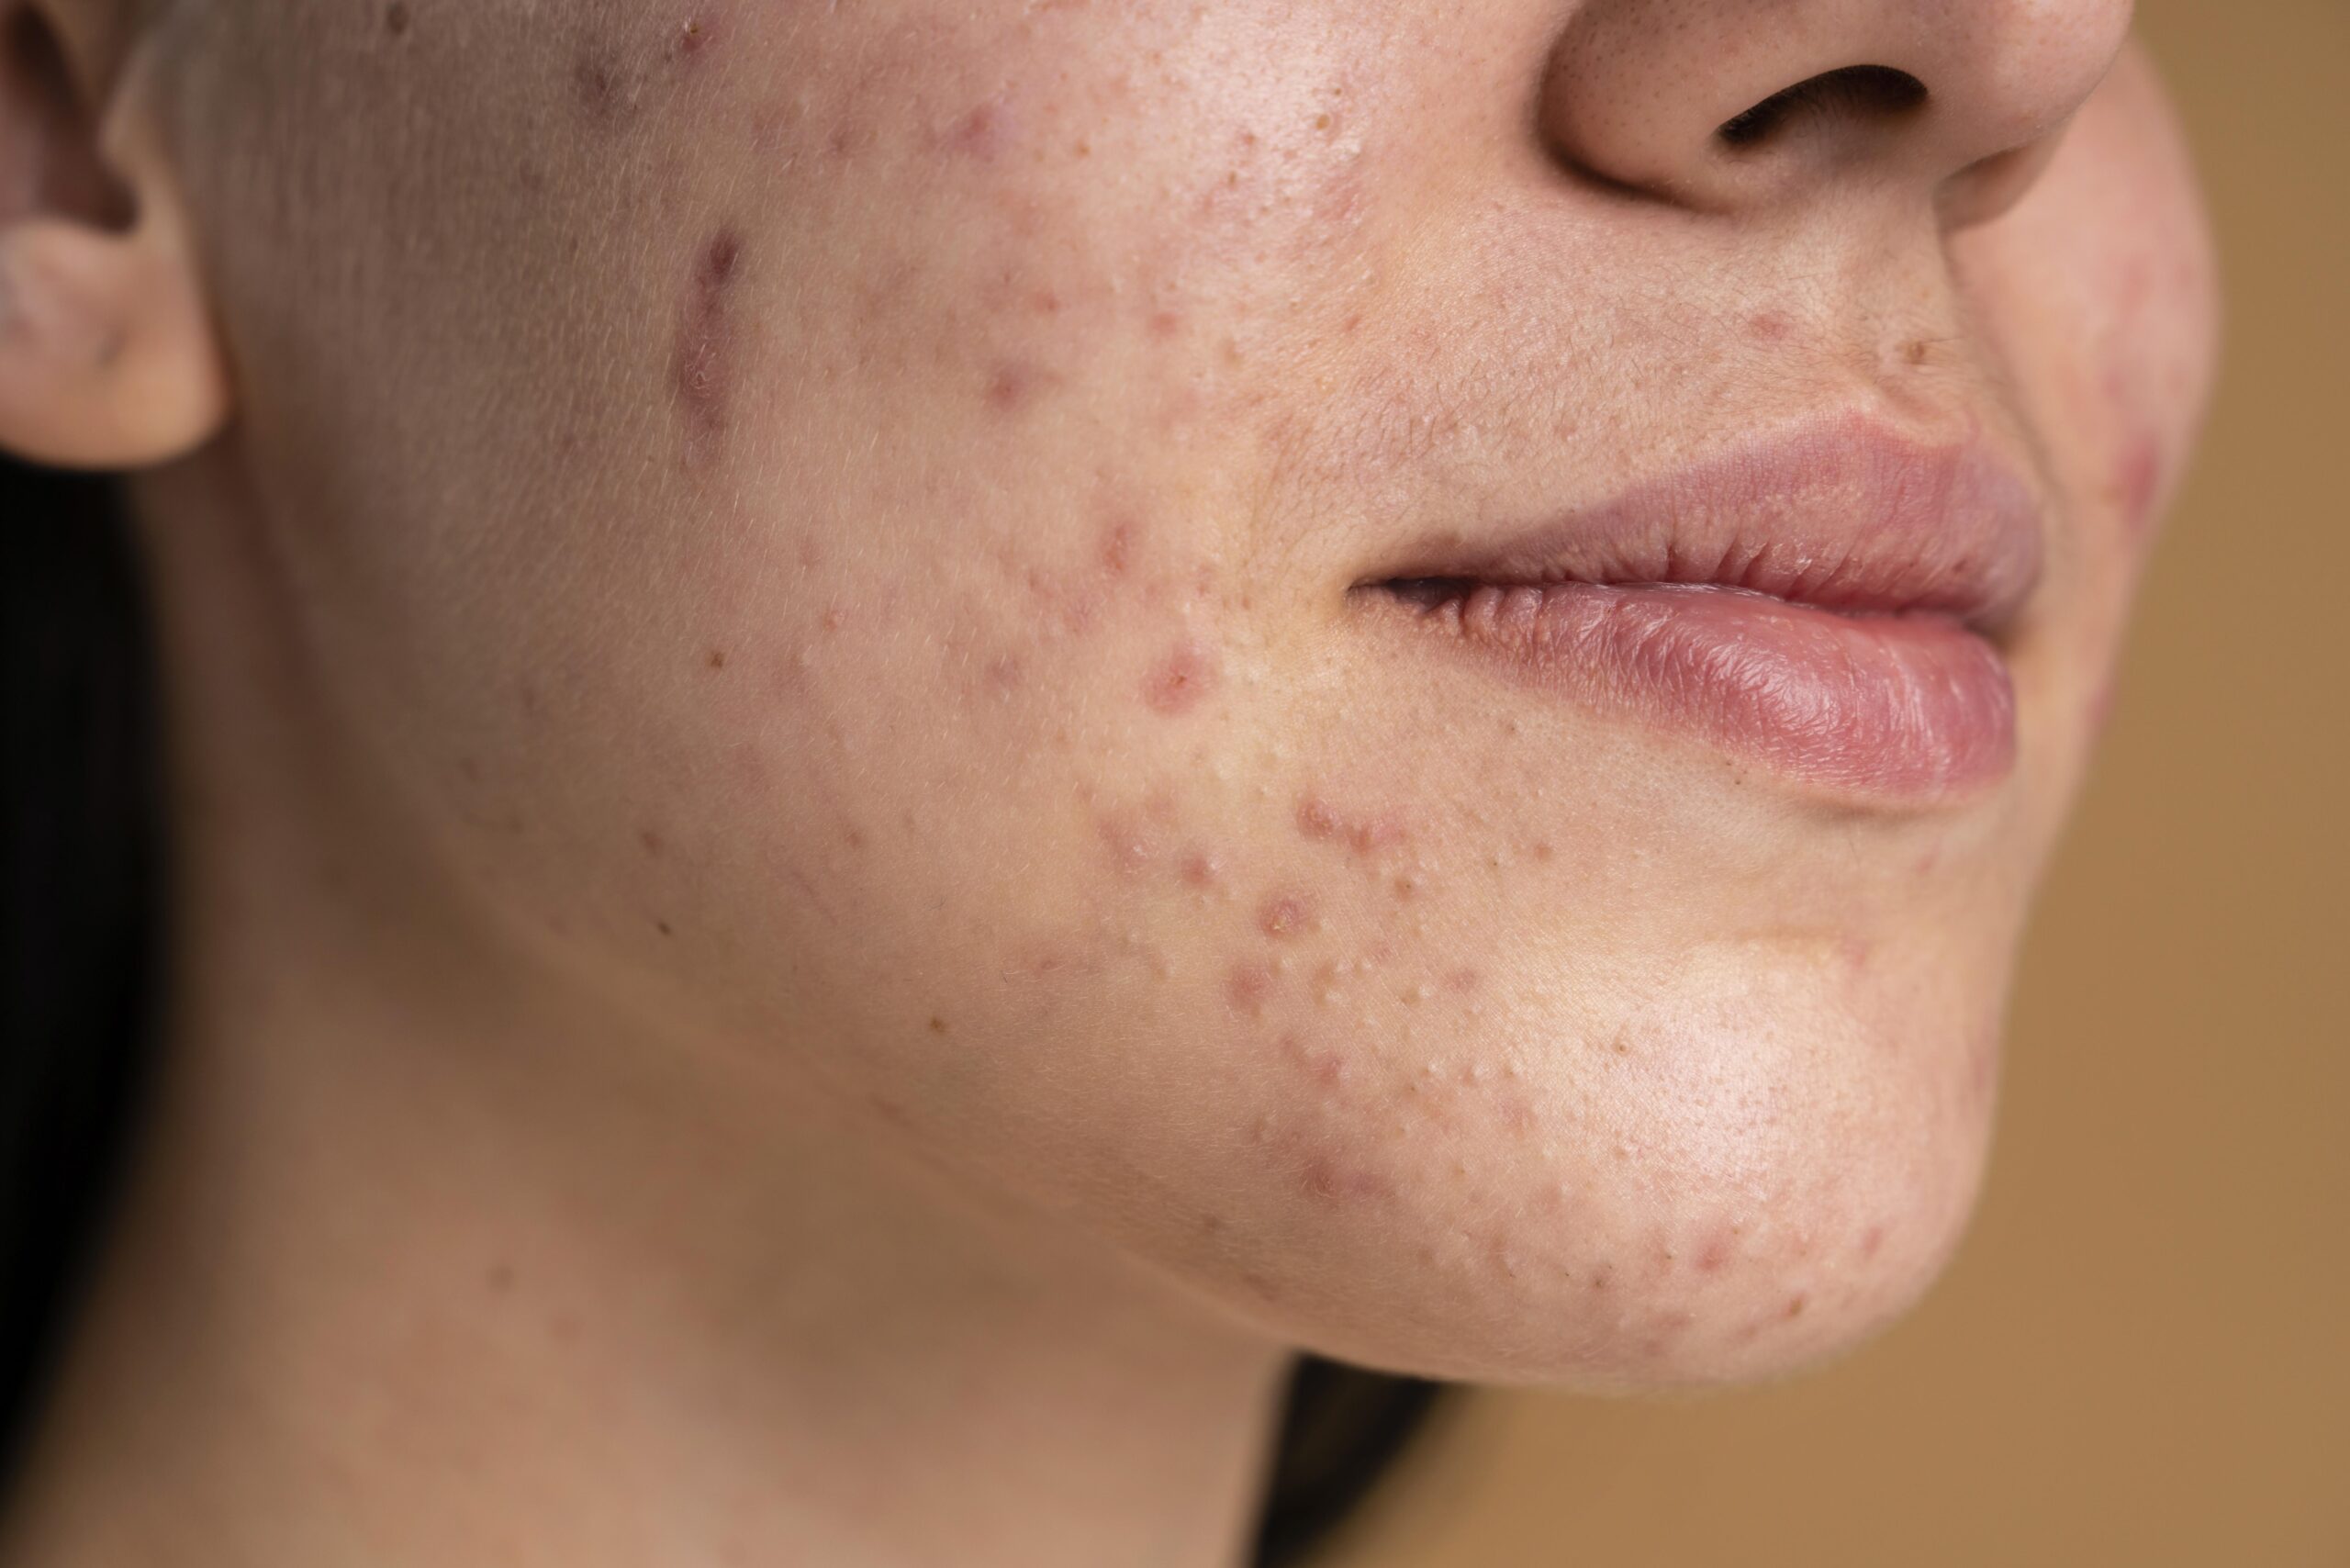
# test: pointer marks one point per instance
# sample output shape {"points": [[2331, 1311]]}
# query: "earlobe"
{"points": [[109, 356]]}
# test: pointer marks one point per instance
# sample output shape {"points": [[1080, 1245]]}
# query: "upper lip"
{"points": [[1845, 513]]}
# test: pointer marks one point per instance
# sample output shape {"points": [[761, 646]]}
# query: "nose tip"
{"points": [[1724, 106]]}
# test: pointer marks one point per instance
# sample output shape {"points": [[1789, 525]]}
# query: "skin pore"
{"points": [[811, 923]]}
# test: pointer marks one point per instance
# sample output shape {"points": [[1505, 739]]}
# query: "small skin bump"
{"points": [[1284, 916], [1177, 682], [1247, 985]]}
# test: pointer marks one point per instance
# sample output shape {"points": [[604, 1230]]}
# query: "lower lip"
{"points": [[1911, 707]]}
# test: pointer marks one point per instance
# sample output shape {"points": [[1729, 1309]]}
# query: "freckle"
{"points": [[1180, 679], [715, 658], [1914, 351], [664, 927], [397, 18], [1321, 122], [1797, 1303], [1284, 915], [1603, 1277], [1115, 549], [937, 1026]]}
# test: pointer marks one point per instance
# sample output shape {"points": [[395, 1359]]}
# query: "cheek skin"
{"points": [[995, 771]]}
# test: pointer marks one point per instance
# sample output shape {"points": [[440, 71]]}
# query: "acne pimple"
{"points": [[1247, 985], [1178, 681], [1198, 869]]}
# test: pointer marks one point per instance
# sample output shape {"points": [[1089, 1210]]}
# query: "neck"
{"points": [[424, 1261]]}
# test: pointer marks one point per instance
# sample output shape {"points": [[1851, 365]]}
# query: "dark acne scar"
{"points": [[700, 371]]}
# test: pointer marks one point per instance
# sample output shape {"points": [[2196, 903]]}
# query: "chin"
{"points": [[1753, 1169]]}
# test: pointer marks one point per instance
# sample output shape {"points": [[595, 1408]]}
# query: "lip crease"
{"points": [[1830, 603]]}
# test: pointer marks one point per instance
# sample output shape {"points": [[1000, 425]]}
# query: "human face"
{"points": [[969, 562]]}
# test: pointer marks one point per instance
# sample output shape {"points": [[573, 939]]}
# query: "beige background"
{"points": [[2142, 1355]]}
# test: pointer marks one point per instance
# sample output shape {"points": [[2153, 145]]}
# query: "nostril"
{"points": [[1869, 92]]}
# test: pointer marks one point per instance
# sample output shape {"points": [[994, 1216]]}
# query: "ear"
{"points": [[108, 357]]}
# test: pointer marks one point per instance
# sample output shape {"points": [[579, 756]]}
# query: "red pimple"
{"points": [[1871, 1240], [1199, 869], [1247, 985], [1177, 682], [1284, 915]]}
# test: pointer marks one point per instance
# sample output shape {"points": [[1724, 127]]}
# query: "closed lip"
{"points": [[1846, 514], [1832, 602]]}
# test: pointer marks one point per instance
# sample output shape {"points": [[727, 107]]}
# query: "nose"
{"points": [[1739, 106]]}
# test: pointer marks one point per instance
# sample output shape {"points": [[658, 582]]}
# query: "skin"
{"points": [[805, 914]]}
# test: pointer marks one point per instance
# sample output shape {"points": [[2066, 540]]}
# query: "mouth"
{"points": [[1833, 605]]}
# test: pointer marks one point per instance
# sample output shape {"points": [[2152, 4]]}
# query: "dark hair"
{"points": [[81, 868]]}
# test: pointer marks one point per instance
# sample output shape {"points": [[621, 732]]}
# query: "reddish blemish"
{"points": [[1714, 1252], [693, 37], [1543, 851], [1258, 1286], [1462, 979], [1316, 819], [1117, 547], [651, 840], [700, 369], [1602, 1277], [1012, 384], [1198, 869], [854, 838], [1180, 679], [1245, 986], [1165, 323], [982, 133], [1797, 1303], [2136, 477], [1331, 1180], [1871, 1240], [1769, 326], [1137, 839], [1284, 915]]}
